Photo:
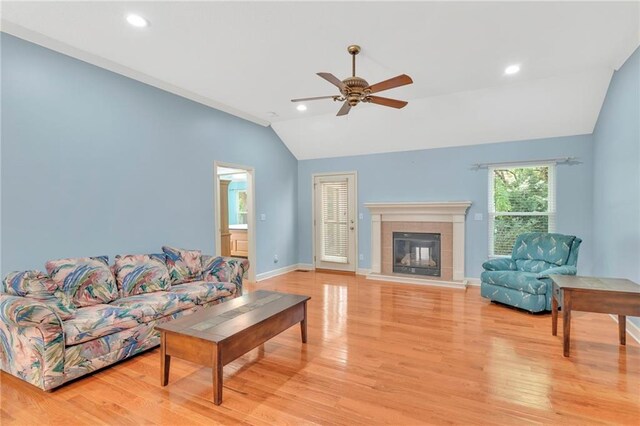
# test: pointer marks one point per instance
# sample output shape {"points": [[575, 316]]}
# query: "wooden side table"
{"points": [[592, 294]]}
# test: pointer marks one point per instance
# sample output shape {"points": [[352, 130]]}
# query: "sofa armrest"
{"points": [[559, 270], [31, 341], [225, 269], [500, 264]]}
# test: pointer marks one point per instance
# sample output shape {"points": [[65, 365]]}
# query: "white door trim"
{"points": [[313, 213], [251, 215]]}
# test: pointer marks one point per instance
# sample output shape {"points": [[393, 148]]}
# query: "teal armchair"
{"points": [[523, 280]]}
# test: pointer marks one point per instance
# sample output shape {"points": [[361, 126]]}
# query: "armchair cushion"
{"points": [[141, 273], [559, 270], [527, 282], [184, 265], [552, 248], [532, 265], [500, 264], [87, 280]]}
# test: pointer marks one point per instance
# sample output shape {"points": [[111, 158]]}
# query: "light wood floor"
{"points": [[377, 353]]}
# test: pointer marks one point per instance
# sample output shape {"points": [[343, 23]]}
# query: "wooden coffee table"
{"points": [[592, 294], [217, 335]]}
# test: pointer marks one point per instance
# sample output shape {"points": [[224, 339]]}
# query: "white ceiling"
{"points": [[251, 58]]}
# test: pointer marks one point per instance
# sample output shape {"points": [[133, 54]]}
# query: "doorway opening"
{"points": [[234, 213]]}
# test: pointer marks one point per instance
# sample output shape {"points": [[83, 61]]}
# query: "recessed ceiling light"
{"points": [[512, 69], [301, 107], [137, 20]]}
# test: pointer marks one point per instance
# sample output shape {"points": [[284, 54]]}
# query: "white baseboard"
{"points": [[306, 267], [473, 281], [274, 273], [285, 270], [363, 271], [632, 329]]}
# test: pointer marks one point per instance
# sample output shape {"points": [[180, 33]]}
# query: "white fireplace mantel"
{"points": [[441, 211]]}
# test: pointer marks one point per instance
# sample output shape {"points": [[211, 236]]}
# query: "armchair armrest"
{"points": [[558, 270], [501, 264], [225, 269], [31, 341]]}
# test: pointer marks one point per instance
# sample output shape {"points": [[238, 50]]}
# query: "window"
{"points": [[242, 207], [334, 221], [521, 199]]}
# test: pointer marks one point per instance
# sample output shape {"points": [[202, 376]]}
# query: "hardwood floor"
{"points": [[377, 353]]}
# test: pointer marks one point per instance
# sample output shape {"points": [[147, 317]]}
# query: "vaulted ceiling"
{"points": [[250, 59]]}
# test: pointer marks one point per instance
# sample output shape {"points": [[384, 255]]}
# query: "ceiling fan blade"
{"points": [[315, 98], [345, 109], [333, 80], [393, 103], [397, 81]]}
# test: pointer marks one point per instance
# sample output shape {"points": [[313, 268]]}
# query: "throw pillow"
{"points": [[184, 265], [38, 286], [141, 273], [86, 280]]}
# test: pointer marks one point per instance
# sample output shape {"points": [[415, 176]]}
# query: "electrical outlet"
{"points": [[263, 216], [275, 258], [361, 256], [477, 216], [361, 216]]}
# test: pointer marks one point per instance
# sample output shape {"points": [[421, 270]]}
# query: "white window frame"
{"points": [[551, 201], [238, 211]]}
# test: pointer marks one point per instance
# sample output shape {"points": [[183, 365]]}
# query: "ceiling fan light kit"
{"points": [[354, 89]]}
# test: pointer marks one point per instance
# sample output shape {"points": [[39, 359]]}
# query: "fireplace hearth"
{"points": [[416, 253]]}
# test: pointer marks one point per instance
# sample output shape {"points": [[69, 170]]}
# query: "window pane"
{"points": [[522, 189], [507, 228]]}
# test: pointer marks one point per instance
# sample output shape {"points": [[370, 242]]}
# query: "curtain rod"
{"points": [[562, 160]]}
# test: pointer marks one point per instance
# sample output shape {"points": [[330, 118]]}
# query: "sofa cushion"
{"points": [[552, 248], [141, 273], [95, 321], [523, 281], [184, 265], [87, 280], [200, 292], [38, 286], [155, 305]]}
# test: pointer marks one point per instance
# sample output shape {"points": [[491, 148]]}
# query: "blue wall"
{"points": [[445, 175], [616, 190], [234, 187], [96, 163]]}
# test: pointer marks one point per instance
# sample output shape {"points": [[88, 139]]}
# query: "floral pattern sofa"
{"points": [[83, 314], [523, 280]]}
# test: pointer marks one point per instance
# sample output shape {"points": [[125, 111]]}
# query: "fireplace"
{"points": [[416, 253]]}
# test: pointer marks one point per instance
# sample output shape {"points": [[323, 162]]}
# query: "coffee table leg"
{"points": [[217, 375], [165, 360], [303, 325], [566, 321], [622, 329], [554, 314]]}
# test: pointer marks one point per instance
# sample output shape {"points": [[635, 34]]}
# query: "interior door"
{"points": [[335, 222]]}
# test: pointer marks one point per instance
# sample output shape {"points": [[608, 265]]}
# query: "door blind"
{"points": [[334, 222]]}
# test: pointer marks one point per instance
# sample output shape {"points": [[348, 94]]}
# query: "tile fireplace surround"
{"points": [[446, 218]]}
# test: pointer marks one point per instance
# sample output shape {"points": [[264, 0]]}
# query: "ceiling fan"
{"points": [[354, 90]]}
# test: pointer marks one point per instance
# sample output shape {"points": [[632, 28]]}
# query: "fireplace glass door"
{"points": [[416, 253]]}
